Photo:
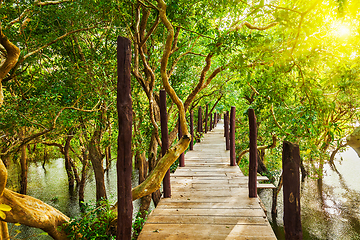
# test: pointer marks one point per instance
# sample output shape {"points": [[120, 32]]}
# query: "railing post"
{"points": [[291, 189], [232, 137], [164, 140], [253, 154], [192, 130], [215, 120], [181, 158], [227, 133], [206, 118], [124, 160], [224, 125], [199, 126]]}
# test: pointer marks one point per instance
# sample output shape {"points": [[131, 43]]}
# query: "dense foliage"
{"points": [[296, 62]]}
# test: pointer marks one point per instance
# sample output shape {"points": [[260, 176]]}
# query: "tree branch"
{"points": [[13, 53], [164, 63], [250, 26], [272, 145], [50, 2]]}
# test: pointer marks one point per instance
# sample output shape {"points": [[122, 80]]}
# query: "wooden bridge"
{"points": [[209, 199]]}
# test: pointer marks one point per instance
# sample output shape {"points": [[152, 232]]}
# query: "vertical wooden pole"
{"points": [[227, 137], [224, 125], [232, 137], [199, 127], [124, 160], [206, 118], [291, 188], [210, 124], [215, 120], [181, 158], [192, 130], [164, 140], [253, 155]]}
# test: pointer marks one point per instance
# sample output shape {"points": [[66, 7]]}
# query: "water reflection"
{"points": [[330, 206], [51, 186]]}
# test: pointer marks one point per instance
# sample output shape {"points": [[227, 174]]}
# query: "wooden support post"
{"points": [[253, 155], [232, 137], [215, 120], [224, 125], [210, 121], [291, 188], [199, 126], [192, 130], [181, 158], [124, 160], [206, 117], [227, 137], [164, 140]]}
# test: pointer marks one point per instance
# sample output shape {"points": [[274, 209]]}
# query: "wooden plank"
{"points": [[219, 220], [208, 205], [208, 231], [265, 186], [209, 200]]}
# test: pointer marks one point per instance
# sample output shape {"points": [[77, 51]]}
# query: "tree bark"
{"points": [[96, 159], [13, 53], [30, 211], [84, 170], [156, 196], [68, 167]]}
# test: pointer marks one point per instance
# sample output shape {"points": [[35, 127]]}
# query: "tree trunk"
{"points": [[82, 182], [68, 167], [96, 159], [152, 163], [30, 211]]}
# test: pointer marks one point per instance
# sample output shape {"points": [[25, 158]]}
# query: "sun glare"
{"points": [[341, 30]]}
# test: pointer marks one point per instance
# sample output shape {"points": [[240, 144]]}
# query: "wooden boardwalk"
{"points": [[209, 199]]}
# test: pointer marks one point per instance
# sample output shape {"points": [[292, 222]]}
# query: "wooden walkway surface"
{"points": [[209, 199]]}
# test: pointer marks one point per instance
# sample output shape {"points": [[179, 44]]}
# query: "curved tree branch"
{"points": [[12, 56], [164, 63]]}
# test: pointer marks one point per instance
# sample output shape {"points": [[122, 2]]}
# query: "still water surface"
{"points": [[330, 209], [51, 186]]}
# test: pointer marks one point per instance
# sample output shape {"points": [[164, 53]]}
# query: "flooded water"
{"points": [[330, 208], [51, 186]]}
